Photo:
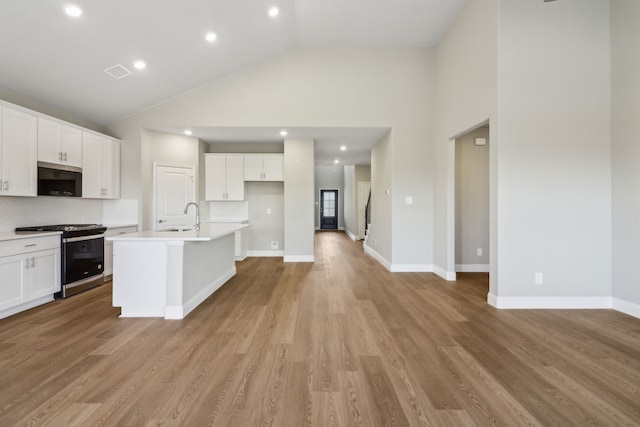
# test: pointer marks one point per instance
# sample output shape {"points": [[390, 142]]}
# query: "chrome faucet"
{"points": [[186, 208]]}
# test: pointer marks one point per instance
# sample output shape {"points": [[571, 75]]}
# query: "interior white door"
{"points": [[363, 195], [174, 187]]}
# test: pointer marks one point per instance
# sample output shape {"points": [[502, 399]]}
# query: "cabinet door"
{"points": [[91, 166], [253, 167], [215, 170], [71, 146], [110, 169], [19, 153], [235, 178], [273, 168], [43, 274], [12, 271], [49, 141]]}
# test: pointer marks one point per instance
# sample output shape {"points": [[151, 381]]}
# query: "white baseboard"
{"points": [[472, 268], [626, 307], [299, 258], [180, 311], [351, 235], [411, 268], [265, 253], [550, 302], [25, 306], [382, 260], [446, 275]]}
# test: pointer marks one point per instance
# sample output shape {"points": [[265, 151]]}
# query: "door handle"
{"points": [[33, 261], [65, 157], [162, 220]]}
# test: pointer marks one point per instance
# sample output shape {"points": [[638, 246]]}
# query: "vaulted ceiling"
{"points": [[60, 60]]}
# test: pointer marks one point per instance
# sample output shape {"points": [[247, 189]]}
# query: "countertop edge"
{"points": [[12, 235]]}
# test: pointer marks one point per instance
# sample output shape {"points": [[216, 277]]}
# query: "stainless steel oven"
{"points": [[82, 249]]}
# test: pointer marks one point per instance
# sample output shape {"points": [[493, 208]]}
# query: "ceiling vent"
{"points": [[117, 72]]}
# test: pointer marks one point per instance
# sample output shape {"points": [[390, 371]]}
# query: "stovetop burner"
{"points": [[68, 230]]}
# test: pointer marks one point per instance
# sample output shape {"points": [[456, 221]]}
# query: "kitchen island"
{"points": [[169, 273]]}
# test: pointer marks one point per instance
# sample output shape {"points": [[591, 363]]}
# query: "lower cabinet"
{"points": [[108, 246], [30, 272]]}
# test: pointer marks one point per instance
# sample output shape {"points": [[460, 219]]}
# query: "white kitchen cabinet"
{"points": [[263, 167], [18, 153], [30, 271], [108, 245], [224, 177], [59, 143], [100, 167]]}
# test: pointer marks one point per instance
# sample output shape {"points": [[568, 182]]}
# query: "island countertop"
{"points": [[207, 232]]}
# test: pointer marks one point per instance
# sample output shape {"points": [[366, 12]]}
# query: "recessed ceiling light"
{"points": [[73, 11], [283, 132], [140, 65], [211, 37], [343, 147], [188, 132], [336, 161], [273, 12]]}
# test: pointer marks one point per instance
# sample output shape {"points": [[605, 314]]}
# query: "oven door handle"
{"points": [[81, 238]]}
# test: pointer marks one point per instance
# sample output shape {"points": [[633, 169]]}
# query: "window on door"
{"points": [[328, 209]]}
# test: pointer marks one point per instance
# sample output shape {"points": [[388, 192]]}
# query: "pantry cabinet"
{"points": [[18, 153], [100, 167], [224, 177]]}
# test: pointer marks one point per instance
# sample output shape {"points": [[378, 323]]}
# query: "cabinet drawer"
{"points": [[114, 231], [32, 244]]}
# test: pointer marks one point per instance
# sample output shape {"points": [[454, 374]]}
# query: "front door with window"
{"points": [[328, 209]]}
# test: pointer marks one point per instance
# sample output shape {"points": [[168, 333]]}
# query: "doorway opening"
{"points": [[173, 187], [472, 186], [328, 209]]}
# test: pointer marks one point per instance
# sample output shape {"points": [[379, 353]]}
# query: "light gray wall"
{"points": [[554, 191], [298, 200], [310, 87], [472, 199], [330, 178], [50, 110], [353, 175], [381, 180], [265, 228], [625, 66], [466, 97]]}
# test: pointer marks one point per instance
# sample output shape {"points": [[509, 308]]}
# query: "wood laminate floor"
{"points": [[340, 342]]}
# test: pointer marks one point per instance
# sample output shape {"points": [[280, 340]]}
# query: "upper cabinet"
{"points": [[18, 153], [59, 144], [224, 177], [263, 167], [100, 167]]}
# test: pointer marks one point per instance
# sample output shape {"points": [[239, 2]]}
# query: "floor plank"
{"points": [[338, 342]]}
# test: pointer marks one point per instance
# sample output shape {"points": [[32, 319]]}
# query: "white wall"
{"points": [[625, 65], [298, 200], [387, 87], [472, 201], [554, 190], [467, 90], [44, 210], [330, 178]]}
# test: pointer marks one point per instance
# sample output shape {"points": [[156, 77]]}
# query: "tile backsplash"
{"points": [[27, 211]]}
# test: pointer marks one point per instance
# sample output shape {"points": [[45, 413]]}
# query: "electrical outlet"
{"points": [[479, 251], [275, 245], [538, 278]]}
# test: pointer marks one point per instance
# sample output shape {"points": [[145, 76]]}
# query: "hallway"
{"points": [[338, 342]]}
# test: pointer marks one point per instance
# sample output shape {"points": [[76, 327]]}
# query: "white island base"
{"points": [[168, 274]]}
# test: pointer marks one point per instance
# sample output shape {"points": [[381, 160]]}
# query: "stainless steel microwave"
{"points": [[56, 180]]}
